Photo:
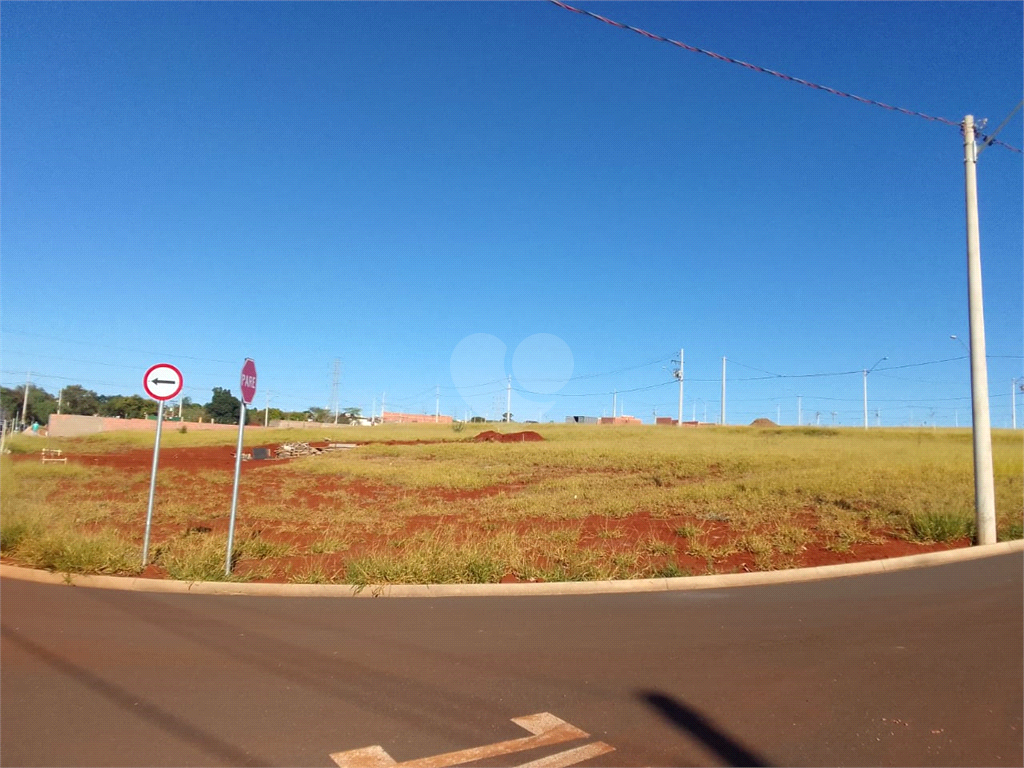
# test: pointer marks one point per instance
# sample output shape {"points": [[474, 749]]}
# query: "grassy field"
{"points": [[570, 507]]}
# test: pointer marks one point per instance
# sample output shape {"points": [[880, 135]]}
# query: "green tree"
{"points": [[76, 399], [320, 414], [40, 404], [191, 411], [128, 407], [10, 403], [224, 408]]}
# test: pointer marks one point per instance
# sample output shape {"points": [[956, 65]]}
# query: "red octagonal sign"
{"points": [[248, 381]]}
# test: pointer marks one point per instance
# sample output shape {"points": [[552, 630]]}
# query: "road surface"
{"points": [[915, 667]]}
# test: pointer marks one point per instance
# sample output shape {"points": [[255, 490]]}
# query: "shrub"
{"points": [[935, 526]]}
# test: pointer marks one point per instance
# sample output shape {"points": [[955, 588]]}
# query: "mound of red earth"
{"points": [[491, 436], [763, 423]]}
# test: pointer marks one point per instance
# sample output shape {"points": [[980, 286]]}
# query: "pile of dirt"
{"points": [[491, 436], [763, 423]]}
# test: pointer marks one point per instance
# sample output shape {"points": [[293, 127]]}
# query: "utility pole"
{"points": [[679, 375], [508, 402], [866, 372], [266, 411], [334, 387], [722, 421], [437, 403], [984, 484], [833, 418], [615, 394], [60, 401], [382, 407], [799, 410], [24, 405], [1013, 400]]}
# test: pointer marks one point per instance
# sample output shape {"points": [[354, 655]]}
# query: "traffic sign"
{"points": [[163, 381], [248, 381]]}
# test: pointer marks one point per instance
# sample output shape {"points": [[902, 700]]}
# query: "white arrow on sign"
{"points": [[545, 727]]}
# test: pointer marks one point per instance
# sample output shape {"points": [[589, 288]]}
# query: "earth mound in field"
{"points": [[762, 423], [490, 436]]}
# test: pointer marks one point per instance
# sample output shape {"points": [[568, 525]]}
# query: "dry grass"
{"points": [[763, 485]]}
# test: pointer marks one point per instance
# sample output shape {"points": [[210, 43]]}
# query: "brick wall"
{"points": [[66, 425], [390, 417]]}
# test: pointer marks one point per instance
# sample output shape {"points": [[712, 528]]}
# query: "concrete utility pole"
{"points": [[679, 375], [266, 411], [984, 484], [334, 387], [1013, 400], [866, 372], [60, 401], [615, 394], [799, 410], [722, 421], [24, 404], [508, 402]]}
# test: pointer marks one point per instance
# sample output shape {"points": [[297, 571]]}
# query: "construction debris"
{"points": [[294, 450]]}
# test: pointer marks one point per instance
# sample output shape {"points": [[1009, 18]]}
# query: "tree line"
{"points": [[75, 399]]}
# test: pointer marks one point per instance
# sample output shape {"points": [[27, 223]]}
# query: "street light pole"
{"points": [[984, 485]]}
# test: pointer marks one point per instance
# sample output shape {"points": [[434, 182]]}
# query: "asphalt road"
{"points": [[917, 667]]}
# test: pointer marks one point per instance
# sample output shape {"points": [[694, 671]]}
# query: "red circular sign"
{"points": [[162, 381], [248, 381]]}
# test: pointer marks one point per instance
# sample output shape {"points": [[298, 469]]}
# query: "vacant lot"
{"points": [[427, 504]]}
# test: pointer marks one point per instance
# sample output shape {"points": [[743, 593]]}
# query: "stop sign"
{"points": [[248, 381]]}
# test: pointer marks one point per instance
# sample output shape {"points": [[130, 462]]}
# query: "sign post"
{"points": [[248, 386], [161, 382]]}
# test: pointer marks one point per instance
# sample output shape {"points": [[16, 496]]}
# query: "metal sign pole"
{"points": [[234, 493], [152, 484]]}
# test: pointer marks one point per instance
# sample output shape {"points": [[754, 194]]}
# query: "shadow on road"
{"points": [[137, 706], [702, 729]]}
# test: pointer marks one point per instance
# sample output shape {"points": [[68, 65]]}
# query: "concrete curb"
{"points": [[515, 590]]}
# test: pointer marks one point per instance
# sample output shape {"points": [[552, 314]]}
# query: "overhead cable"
{"points": [[766, 71]]}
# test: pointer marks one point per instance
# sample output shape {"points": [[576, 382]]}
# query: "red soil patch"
{"points": [[273, 484], [512, 437]]}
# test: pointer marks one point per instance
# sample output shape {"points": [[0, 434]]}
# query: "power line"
{"points": [[763, 70], [110, 346]]}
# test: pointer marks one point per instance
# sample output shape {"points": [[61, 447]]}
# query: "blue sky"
{"points": [[442, 195]]}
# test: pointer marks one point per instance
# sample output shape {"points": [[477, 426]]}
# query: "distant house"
{"points": [[620, 420], [581, 420]]}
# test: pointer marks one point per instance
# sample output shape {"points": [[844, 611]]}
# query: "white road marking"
{"points": [[570, 756], [545, 727]]}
